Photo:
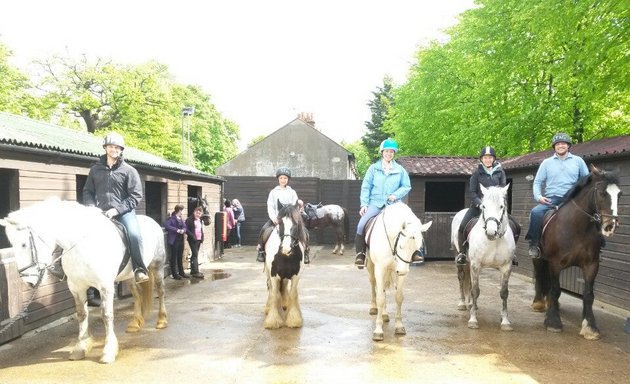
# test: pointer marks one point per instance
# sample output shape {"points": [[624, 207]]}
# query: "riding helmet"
{"points": [[560, 138], [283, 171], [114, 139], [487, 151], [389, 144]]}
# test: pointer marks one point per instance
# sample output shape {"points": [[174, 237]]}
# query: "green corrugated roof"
{"points": [[22, 131]]}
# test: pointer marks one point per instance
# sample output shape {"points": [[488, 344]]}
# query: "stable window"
{"points": [[155, 200], [444, 196], [8, 199]]}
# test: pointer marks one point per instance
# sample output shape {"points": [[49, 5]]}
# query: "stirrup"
{"points": [[359, 260], [261, 257], [461, 259], [140, 276]]}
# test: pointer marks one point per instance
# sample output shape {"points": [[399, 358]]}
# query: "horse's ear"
{"points": [[425, 227], [4, 223], [594, 169], [483, 189], [506, 188]]}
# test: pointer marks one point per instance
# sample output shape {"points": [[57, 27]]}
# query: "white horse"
{"points": [[283, 266], [92, 253], [491, 245], [392, 238]]}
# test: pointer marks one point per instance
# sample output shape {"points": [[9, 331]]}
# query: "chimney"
{"points": [[307, 118]]}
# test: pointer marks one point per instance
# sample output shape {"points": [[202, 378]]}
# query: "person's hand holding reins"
{"points": [[392, 198], [362, 210], [112, 212], [544, 200]]}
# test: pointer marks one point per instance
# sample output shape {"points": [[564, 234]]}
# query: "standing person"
{"points": [[115, 187], [239, 215], [489, 173], [285, 195], [194, 232], [385, 182], [556, 175], [229, 213], [176, 229]]}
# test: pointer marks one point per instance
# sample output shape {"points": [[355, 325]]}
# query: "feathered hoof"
{"points": [[400, 331], [77, 354], [373, 311], [590, 334], [539, 306], [554, 330], [132, 327], [462, 307], [334, 252], [161, 324], [108, 358], [385, 318], [377, 336], [473, 325], [506, 327]]}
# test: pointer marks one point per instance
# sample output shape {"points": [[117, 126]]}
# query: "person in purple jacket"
{"points": [[176, 229]]}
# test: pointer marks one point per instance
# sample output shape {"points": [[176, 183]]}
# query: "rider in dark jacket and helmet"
{"points": [[489, 173], [115, 187]]}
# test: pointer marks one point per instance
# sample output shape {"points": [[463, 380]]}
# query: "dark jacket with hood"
{"points": [[117, 187], [495, 177]]}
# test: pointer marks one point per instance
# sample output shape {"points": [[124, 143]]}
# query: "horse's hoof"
{"points": [[107, 359], [161, 325], [400, 331], [377, 336], [334, 252], [77, 355], [473, 325], [385, 318], [539, 306], [506, 327], [462, 307], [132, 328], [554, 330], [590, 333], [373, 311]]}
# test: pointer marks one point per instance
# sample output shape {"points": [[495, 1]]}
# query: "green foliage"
{"points": [[513, 73], [141, 102], [379, 107], [256, 140], [362, 158]]}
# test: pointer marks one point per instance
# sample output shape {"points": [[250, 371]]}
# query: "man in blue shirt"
{"points": [[556, 174]]}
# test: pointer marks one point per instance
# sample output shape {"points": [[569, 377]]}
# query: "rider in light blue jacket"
{"points": [[385, 182]]}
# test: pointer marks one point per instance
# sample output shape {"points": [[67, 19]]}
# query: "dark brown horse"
{"points": [[573, 236], [331, 215], [194, 202]]}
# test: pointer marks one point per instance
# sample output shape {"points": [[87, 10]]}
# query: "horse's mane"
{"points": [[53, 207], [584, 181]]}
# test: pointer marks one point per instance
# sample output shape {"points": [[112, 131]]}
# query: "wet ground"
{"points": [[215, 335]]}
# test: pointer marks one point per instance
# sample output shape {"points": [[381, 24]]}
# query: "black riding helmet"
{"points": [[560, 137], [487, 151], [283, 171]]}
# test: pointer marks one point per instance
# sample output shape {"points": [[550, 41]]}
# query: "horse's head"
{"points": [[399, 218], [290, 227], [494, 211], [194, 202], [32, 249], [605, 203]]}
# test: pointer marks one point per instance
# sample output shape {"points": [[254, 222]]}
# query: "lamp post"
{"points": [[186, 150]]}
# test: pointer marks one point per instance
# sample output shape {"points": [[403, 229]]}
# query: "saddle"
{"points": [[122, 231], [369, 226]]}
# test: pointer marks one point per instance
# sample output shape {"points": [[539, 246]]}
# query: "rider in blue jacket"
{"points": [[385, 182]]}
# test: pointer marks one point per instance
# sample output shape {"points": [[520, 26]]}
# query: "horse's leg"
{"points": [[110, 349], [552, 317], [370, 268], [273, 320], [341, 247], [474, 279], [162, 320], [85, 342], [589, 328], [541, 284], [137, 321], [399, 327], [284, 293], [294, 313], [377, 335], [462, 305], [505, 277]]}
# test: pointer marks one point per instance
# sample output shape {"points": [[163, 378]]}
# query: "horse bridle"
{"points": [[597, 216], [500, 231], [395, 247]]}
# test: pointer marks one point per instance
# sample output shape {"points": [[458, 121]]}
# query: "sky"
{"points": [[261, 61]]}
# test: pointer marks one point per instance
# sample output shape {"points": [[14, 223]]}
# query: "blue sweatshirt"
{"points": [[377, 185], [557, 175]]}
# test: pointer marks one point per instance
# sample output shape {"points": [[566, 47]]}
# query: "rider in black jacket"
{"points": [[115, 187]]}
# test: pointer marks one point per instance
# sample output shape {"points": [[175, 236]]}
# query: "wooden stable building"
{"points": [[40, 160]]}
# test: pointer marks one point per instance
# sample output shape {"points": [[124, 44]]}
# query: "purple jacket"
{"points": [[172, 224]]}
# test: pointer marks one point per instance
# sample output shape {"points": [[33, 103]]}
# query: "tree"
{"points": [[513, 73], [379, 106], [362, 159]]}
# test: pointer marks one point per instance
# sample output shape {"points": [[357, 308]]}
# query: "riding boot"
{"points": [[359, 246], [418, 256], [261, 254], [534, 251], [93, 297], [461, 256], [180, 268], [306, 258]]}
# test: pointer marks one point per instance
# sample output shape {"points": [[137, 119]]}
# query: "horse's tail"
{"points": [[146, 302], [346, 225]]}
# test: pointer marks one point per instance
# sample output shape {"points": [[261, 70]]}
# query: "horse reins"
{"points": [[395, 248], [500, 232], [597, 216]]}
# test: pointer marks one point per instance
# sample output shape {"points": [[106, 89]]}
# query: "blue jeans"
{"points": [[130, 221], [370, 213], [238, 231], [536, 218]]}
